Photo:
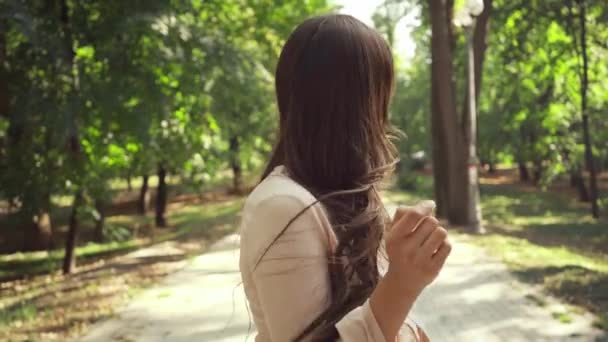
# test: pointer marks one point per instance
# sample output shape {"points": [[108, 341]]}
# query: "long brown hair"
{"points": [[334, 81]]}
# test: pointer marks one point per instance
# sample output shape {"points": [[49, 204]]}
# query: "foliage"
{"points": [[529, 106], [99, 90]]}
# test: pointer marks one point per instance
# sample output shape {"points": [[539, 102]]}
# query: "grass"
{"points": [[563, 317], [536, 299], [164, 294], [21, 313], [185, 220], [544, 237], [28, 264], [56, 307], [602, 321], [546, 218]]}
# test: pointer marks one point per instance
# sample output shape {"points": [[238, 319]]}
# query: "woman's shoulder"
{"points": [[279, 190], [279, 202]]}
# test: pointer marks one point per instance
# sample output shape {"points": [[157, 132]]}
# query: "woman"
{"points": [[313, 228]]}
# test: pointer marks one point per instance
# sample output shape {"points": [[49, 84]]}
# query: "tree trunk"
{"points": [[577, 180], [73, 142], [440, 167], [235, 163], [524, 175], [586, 133], [99, 220], [38, 233], [4, 96], [476, 47], [143, 200], [69, 259], [469, 119], [491, 167], [129, 185], [439, 140], [537, 174], [444, 107], [161, 196], [573, 179]]}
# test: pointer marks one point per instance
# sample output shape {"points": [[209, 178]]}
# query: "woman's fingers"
{"points": [[399, 213], [425, 228], [442, 254], [423, 337], [407, 223], [407, 218], [434, 241]]}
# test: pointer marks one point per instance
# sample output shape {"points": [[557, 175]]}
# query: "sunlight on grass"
{"points": [[521, 253], [164, 294], [23, 313], [120, 184], [563, 317], [509, 205], [602, 321]]}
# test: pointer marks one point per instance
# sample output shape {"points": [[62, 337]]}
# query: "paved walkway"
{"points": [[475, 299]]}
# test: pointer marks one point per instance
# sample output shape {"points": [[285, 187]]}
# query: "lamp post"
{"points": [[465, 18]]}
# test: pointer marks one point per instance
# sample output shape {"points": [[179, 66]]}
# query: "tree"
{"points": [[584, 75], [529, 102], [91, 91], [451, 134]]}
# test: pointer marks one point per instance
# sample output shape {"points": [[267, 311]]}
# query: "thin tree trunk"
{"points": [[143, 200], [4, 95], [576, 178], [235, 163], [100, 220], [440, 167], [572, 179], [69, 259], [72, 71], [129, 185], [476, 47], [586, 133], [491, 167], [473, 218], [38, 235], [537, 174], [161, 197], [524, 175]]}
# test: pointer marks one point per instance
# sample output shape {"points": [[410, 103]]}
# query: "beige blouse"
{"points": [[290, 286]]}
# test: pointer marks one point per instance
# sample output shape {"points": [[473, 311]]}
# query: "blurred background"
{"points": [[127, 124]]}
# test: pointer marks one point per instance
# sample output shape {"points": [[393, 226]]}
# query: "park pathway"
{"points": [[474, 299]]}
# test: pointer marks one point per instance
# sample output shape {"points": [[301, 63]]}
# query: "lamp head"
{"points": [[474, 7]]}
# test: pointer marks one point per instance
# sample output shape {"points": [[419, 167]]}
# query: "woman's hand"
{"points": [[417, 247]]}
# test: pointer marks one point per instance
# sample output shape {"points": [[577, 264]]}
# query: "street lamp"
{"points": [[475, 7], [465, 18]]}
